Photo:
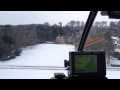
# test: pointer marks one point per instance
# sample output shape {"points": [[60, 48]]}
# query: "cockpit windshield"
{"points": [[34, 44]]}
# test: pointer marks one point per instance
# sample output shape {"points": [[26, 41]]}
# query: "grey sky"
{"points": [[40, 17]]}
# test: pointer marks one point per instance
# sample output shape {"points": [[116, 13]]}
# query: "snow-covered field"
{"points": [[38, 55], [113, 74], [42, 55]]}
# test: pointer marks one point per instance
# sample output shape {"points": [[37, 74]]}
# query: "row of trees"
{"points": [[102, 30], [13, 38]]}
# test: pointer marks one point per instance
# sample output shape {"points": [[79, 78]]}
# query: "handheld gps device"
{"points": [[86, 64]]}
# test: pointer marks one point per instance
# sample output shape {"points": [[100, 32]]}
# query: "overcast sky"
{"points": [[40, 17]]}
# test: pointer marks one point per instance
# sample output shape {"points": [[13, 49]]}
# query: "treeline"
{"points": [[14, 37], [100, 30]]}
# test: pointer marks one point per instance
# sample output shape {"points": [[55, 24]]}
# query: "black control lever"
{"points": [[65, 63], [59, 75]]}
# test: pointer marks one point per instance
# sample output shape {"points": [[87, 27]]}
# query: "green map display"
{"points": [[86, 63]]}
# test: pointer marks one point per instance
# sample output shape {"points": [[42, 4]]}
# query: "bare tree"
{"points": [[47, 24], [103, 24], [72, 23], [60, 23], [83, 23], [78, 23]]}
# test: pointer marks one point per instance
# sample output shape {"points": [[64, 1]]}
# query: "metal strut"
{"points": [[47, 67], [32, 67], [87, 28]]}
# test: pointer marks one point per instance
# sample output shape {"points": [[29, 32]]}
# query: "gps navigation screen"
{"points": [[85, 63]]}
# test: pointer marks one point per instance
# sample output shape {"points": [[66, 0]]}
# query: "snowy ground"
{"points": [[39, 55], [113, 74], [115, 61], [42, 55]]}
